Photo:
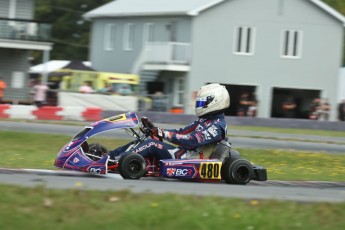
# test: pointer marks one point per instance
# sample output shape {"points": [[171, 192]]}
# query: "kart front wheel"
{"points": [[237, 171], [96, 151], [132, 166]]}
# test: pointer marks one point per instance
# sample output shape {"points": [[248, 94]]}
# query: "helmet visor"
{"points": [[200, 103], [203, 102]]}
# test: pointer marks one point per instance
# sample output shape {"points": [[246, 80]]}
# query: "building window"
{"points": [[109, 36], [244, 40], [179, 92], [148, 32], [12, 9], [291, 43], [128, 39]]}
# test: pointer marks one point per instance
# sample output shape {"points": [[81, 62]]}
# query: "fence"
{"points": [[24, 30]]}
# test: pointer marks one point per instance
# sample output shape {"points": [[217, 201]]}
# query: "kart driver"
{"points": [[196, 140]]}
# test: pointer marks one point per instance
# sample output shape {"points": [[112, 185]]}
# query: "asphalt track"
{"points": [[279, 190], [302, 191]]}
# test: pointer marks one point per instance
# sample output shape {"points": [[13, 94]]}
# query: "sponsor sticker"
{"points": [[206, 135], [183, 172], [95, 170], [171, 171], [213, 130], [75, 160], [148, 145]]}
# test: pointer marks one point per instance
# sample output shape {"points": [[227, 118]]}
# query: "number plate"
{"points": [[210, 170]]}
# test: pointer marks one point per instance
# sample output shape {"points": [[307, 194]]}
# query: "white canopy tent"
{"points": [[52, 65]]}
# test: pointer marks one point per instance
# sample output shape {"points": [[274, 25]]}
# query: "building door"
{"points": [[235, 92], [156, 93], [301, 97], [154, 87]]}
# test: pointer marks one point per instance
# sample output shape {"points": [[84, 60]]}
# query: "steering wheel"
{"points": [[148, 126]]}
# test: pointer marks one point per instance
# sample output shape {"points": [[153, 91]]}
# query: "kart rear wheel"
{"points": [[132, 166], [237, 171]]}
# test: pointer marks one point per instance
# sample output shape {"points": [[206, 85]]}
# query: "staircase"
{"points": [[145, 77]]}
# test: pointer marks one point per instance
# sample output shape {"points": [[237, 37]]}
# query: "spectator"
{"points": [[289, 108], [159, 102], [40, 93], [325, 108], [315, 109], [252, 107], [2, 87], [86, 88], [244, 105], [107, 89], [341, 110]]}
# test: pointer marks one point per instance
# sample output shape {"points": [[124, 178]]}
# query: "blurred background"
{"points": [[277, 58]]}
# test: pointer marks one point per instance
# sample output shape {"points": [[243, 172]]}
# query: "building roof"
{"points": [[119, 8], [329, 10], [125, 8]]}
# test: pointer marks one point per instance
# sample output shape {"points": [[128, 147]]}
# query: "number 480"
{"points": [[210, 170]]}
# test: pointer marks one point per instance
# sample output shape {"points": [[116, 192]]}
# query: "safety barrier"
{"points": [[3, 108], [79, 113], [32, 112]]}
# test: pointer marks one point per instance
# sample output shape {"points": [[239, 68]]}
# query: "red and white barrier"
{"points": [[32, 112]]}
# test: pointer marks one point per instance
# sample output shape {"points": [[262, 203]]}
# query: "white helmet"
{"points": [[211, 98]]}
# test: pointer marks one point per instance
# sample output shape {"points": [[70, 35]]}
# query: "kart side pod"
{"points": [[233, 170]]}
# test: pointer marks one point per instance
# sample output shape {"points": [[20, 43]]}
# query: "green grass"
{"points": [[78, 208], [30, 150], [41, 208], [298, 165]]}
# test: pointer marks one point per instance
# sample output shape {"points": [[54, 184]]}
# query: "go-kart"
{"points": [[225, 164]]}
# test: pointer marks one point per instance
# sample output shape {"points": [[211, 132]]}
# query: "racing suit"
{"points": [[190, 140]]}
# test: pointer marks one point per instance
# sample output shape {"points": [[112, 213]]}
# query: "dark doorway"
{"points": [[155, 86], [235, 92], [301, 97]]}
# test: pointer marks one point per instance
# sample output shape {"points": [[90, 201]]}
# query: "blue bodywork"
{"points": [[72, 156]]}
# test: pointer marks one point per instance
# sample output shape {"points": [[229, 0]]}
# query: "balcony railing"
{"points": [[167, 52], [16, 29]]}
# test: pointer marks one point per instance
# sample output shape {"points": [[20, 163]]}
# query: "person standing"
{"points": [[252, 109], [315, 109], [86, 88], [341, 110], [289, 108], [40, 93], [324, 110], [244, 104], [2, 87]]}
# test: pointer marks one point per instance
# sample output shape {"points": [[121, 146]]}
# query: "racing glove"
{"points": [[157, 132]]}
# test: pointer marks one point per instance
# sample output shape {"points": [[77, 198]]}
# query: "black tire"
{"points": [[132, 166], [234, 154], [237, 171], [97, 150]]}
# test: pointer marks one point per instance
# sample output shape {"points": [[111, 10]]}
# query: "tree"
{"points": [[338, 5], [70, 32]]}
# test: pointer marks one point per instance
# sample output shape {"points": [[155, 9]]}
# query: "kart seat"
{"points": [[222, 150]]}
